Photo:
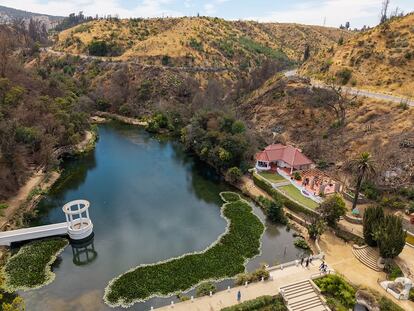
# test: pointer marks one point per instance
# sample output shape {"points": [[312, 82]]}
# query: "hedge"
{"points": [[30, 267], [276, 195], [223, 259], [276, 304]]}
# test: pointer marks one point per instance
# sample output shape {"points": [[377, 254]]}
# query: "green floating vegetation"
{"points": [[30, 268], [223, 259]]}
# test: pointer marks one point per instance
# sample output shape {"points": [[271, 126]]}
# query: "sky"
{"points": [[314, 12]]}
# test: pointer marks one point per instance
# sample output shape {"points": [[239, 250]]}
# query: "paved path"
{"points": [[358, 92], [224, 298]]}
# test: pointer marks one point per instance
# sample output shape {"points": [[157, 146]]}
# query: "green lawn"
{"points": [[294, 193], [272, 177]]}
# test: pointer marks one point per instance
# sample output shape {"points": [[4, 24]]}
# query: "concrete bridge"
{"points": [[78, 226]]}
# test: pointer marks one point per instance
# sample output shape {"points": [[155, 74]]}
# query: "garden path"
{"points": [[271, 287], [341, 259]]}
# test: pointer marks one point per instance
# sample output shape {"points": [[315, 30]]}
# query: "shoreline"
{"points": [[29, 195]]}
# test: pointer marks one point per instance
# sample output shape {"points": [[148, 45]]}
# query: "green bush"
{"points": [[332, 209], [224, 259], [234, 174], [196, 45], [297, 176], [30, 267], [263, 303], [277, 196], [373, 217], [255, 276], [98, 48], [337, 288], [344, 75], [386, 304], [205, 288], [393, 271], [301, 243]]}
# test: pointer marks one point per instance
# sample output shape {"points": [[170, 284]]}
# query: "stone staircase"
{"points": [[302, 296], [367, 255]]}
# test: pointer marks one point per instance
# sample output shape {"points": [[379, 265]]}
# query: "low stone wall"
{"points": [[353, 220], [361, 198]]}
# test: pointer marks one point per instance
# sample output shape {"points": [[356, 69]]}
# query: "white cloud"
{"points": [[209, 8], [336, 12], [144, 8]]}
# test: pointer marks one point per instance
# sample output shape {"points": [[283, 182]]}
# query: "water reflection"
{"points": [[150, 201], [84, 252]]}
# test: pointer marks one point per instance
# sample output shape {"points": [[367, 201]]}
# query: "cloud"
{"points": [[144, 8], [358, 12]]}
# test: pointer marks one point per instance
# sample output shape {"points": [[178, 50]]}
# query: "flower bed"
{"points": [[30, 267], [224, 258]]}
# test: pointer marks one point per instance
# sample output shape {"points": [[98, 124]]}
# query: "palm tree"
{"points": [[363, 166]]}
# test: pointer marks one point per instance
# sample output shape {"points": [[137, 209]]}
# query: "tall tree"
{"points": [[362, 166], [373, 217], [384, 11], [332, 209], [390, 236], [306, 54]]}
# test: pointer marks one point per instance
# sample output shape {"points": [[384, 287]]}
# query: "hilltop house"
{"points": [[287, 158]]}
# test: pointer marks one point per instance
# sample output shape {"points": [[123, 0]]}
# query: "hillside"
{"points": [[194, 41], [7, 15], [290, 111], [380, 59]]}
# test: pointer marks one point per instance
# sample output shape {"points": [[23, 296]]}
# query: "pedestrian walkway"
{"points": [[278, 278]]}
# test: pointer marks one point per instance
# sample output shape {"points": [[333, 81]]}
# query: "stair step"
{"points": [[294, 289], [303, 302], [308, 291], [309, 306], [295, 284]]}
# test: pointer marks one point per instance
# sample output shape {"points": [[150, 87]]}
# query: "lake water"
{"points": [[150, 201]]}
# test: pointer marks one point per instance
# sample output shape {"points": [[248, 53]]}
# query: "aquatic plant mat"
{"points": [[30, 268], [223, 259]]}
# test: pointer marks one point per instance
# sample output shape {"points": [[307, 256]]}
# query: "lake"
{"points": [[150, 201]]}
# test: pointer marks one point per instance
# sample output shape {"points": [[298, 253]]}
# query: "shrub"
{"points": [[393, 271], [98, 48], [373, 217], [224, 259], [233, 175], [255, 276], [266, 186], [370, 191], [337, 288], [390, 236], [344, 75], [205, 288], [196, 45], [332, 209], [301, 243], [260, 303], [275, 212], [297, 176], [165, 60]]}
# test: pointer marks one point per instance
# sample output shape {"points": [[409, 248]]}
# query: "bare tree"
{"points": [[6, 47], [384, 11]]}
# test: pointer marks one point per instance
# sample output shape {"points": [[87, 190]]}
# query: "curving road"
{"points": [[358, 92]]}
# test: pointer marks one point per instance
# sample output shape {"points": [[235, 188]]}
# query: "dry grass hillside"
{"points": [[380, 59], [286, 110], [198, 41]]}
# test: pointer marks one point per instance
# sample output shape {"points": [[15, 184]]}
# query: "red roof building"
{"points": [[278, 155]]}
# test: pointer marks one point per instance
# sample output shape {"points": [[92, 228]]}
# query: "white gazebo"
{"points": [[77, 218]]}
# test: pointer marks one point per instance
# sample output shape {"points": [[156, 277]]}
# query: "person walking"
{"points": [[307, 263], [301, 261], [238, 296]]}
